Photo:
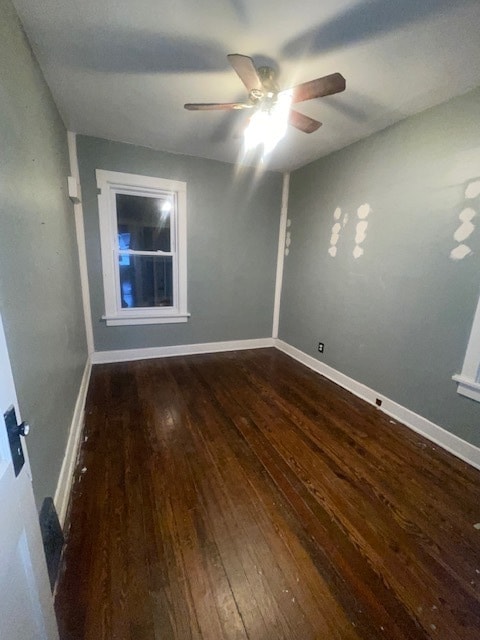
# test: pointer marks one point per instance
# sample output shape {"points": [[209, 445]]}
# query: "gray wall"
{"points": [[232, 226], [398, 318], [40, 297]]}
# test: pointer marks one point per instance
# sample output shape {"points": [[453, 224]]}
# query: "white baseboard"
{"points": [[126, 355], [443, 438], [62, 493]]}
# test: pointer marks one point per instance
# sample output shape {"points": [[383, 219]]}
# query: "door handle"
{"points": [[22, 429]]}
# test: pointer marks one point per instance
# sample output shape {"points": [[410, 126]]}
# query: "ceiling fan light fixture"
{"points": [[269, 105], [268, 125]]}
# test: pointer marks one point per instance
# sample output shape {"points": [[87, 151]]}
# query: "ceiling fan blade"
{"points": [[246, 71], [302, 122], [215, 106], [326, 86]]}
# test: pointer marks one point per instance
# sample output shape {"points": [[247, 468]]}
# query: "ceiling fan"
{"points": [[264, 92]]}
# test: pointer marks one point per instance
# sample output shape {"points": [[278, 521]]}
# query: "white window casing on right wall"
{"points": [[469, 379]]}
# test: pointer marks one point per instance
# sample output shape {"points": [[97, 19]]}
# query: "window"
{"points": [[469, 379], [144, 253]]}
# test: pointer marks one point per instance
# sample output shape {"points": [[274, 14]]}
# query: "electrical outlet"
{"points": [[321, 347]]}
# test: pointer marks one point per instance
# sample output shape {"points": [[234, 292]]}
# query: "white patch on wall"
{"points": [[466, 226], [339, 223], [466, 229], [335, 233], [363, 212], [361, 232], [288, 237], [460, 252], [473, 190]]}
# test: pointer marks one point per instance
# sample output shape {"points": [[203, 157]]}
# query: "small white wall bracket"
{"points": [[73, 190]]}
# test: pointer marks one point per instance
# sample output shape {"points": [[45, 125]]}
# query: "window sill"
{"points": [[467, 387], [117, 321]]}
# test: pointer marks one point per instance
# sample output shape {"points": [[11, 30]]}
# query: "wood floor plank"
{"points": [[290, 570], [240, 496]]}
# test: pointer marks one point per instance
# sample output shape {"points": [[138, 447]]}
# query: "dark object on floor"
{"points": [[53, 540]]}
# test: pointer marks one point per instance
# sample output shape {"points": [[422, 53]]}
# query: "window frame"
{"points": [[110, 183], [469, 379]]}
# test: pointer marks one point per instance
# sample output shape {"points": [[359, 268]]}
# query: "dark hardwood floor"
{"points": [[241, 495]]}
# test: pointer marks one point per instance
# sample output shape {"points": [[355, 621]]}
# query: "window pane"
{"points": [[146, 281], [143, 222]]}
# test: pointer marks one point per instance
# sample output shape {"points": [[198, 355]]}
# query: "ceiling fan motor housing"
{"points": [[268, 78]]}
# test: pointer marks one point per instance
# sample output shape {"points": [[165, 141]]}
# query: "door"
{"points": [[26, 605]]}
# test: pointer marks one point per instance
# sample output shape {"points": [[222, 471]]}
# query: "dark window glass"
{"points": [[146, 281], [143, 223]]}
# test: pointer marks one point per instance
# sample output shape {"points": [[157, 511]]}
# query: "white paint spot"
{"points": [[467, 214], [363, 211], [357, 252], [288, 241], [473, 190], [345, 220], [287, 251], [289, 223], [433, 627], [460, 252], [477, 526], [337, 227], [361, 232], [464, 231]]}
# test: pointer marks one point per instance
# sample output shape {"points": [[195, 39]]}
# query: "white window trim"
{"points": [[469, 379], [109, 184]]}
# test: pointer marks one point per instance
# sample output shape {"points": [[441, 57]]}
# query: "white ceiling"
{"points": [[122, 69]]}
